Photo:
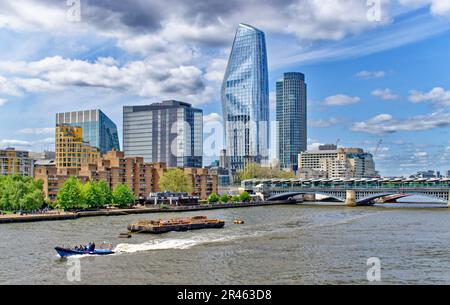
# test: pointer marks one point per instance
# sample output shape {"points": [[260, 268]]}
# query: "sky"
{"points": [[378, 73]]}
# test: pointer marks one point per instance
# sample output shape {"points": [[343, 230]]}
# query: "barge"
{"points": [[177, 224]]}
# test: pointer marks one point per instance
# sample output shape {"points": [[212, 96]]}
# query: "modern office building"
{"points": [[337, 163], [45, 155], [98, 130], [245, 99], [115, 168], [71, 149], [169, 132], [291, 119], [15, 162]]}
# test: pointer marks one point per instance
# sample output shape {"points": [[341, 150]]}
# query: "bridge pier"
{"points": [[350, 198]]}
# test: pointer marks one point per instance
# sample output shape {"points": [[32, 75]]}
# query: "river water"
{"points": [[277, 245]]}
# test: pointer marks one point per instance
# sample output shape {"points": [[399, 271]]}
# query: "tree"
{"points": [[245, 197], [176, 181], [236, 199], [122, 195], [20, 193], [93, 195], [105, 191], [213, 198], [225, 198], [70, 196], [256, 171]]}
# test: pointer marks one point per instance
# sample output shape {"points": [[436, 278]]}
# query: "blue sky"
{"points": [[369, 82]]}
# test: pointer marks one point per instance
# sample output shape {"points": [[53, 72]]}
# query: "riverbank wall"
{"points": [[122, 212]]}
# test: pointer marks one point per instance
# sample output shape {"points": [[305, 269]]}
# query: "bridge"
{"points": [[353, 192]]}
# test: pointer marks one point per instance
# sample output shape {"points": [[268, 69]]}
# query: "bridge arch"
{"points": [[370, 198], [287, 195]]}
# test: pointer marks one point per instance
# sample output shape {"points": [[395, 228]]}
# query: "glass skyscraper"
{"points": [[170, 132], [245, 99], [98, 130], [291, 119]]}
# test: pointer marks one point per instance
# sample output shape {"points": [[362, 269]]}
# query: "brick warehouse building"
{"points": [[115, 168]]}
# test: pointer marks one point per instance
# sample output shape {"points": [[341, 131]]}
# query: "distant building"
{"points": [[245, 99], [447, 175], [291, 119], [115, 168], [16, 162], [223, 160], [170, 132], [426, 174], [71, 149], [98, 130], [45, 155], [337, 163]]}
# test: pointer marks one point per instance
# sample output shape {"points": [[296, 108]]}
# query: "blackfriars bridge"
{"points": [[353, 192]]}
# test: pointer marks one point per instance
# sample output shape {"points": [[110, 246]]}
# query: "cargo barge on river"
{"points": [[177, 224]]}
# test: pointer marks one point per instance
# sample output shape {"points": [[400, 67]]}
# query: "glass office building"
{"points": [[170, 132], [98, 130], [291, 119], [245, 99]]}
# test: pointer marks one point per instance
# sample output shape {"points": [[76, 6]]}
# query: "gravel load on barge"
{"points": [[177, 224]]}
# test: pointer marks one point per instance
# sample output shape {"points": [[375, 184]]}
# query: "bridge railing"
{"points": [[350, 187]]}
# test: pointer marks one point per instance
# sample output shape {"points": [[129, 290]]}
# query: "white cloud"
{"points": [[341, 100], [385, 123], [438, 96], [144, 78], [8, 88], [212, 117], [421, 154], [385, 94], [37, 131], [2, 102], [437, 7], [323, 123], [370, 74]]}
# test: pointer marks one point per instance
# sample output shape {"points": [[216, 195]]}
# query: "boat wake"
{"points": [[173, 243]]}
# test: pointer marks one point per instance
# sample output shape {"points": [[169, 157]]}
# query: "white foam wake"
{"points": [[174, 243]]}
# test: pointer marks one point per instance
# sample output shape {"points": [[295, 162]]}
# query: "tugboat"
{"points": [[89, 249], [177, 224]]}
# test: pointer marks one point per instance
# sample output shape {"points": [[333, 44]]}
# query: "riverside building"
{"points": [[16, 162]]}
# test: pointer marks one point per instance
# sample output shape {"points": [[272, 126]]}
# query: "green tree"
{"points": [[245, 197], [213, 198], [71, 195], [20, 193], [236, 199], [93, 195], [224, 198], [122, 195], [176, 181], [256, 171], [106, 192]]}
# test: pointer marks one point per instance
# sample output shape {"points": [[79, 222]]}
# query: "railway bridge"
{"points": [[353, 192]]}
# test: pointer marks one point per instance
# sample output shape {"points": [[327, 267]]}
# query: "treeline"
{"points": [[225, 198], [26, 194], [74, 195], [20, 194]]}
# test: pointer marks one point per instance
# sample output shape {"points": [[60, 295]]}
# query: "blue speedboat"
{"points": [[65, 252]]}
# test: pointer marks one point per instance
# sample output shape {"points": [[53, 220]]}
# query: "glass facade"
{"points": [[98, 130], [170, 132], [245, 99], [291, 119]]}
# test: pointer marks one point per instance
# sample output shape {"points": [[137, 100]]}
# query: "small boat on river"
{"points": [[177, 224], [88, 250]]}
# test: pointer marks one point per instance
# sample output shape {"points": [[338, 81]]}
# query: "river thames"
{"points": [[276, 245]]}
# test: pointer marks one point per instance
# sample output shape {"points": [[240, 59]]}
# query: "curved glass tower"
{"points": [[245, 99]]}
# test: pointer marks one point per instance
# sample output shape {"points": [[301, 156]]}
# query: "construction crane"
{"points": [[377, 147]]}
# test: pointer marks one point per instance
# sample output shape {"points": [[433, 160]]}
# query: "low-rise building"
{"points": [[115, 168], [16, 162], [337, 163]]}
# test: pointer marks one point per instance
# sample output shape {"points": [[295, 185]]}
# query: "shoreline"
{"points": [[7, 219]]}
